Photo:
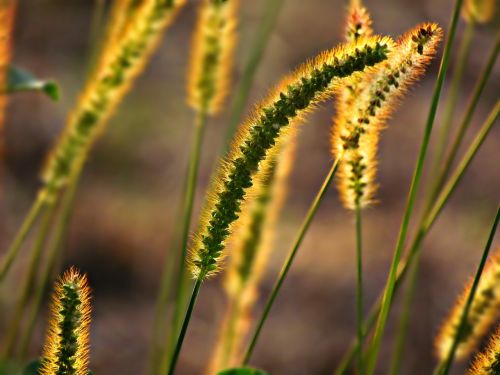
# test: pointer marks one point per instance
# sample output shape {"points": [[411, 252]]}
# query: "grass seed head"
{"points": [[488, 362], [481, 11], [283, 108], [121, 64], [483, 312], [66, 349], [212, 54], [356, 130]]}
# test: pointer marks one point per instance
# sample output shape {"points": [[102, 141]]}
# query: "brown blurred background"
{"points": [[129, 196]]}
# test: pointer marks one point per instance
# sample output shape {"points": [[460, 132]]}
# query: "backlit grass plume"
{"points": [[488, 362], [356, 131], [481, 11], [296, 94], [251, 244], [484, 311], [211, 56], [124, 61], [67, 344]]}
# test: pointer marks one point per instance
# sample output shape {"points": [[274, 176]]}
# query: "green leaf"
{"points": [[242, 371], [19, 79]]}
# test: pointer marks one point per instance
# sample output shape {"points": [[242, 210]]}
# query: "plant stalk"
{"points": [[444, 368], [181, 278], [415, 184], [36, 209], [185, 324], [424, 228], [359, 288], [291, 256]]}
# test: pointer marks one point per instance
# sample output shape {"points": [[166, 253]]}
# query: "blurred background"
{"points": [[128, 201]]}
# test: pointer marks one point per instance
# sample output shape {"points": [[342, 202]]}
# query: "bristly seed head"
{"points": [[484, 311], [212, 54], [66, 346], [296, 94], [488, 362], [357, 126]]}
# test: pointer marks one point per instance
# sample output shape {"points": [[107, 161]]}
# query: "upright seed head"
{"points": [[481, 11], [488, 362], [484, 311], [67, 343], [121, 64], [211, 56], [356, 131], [296, 94]]}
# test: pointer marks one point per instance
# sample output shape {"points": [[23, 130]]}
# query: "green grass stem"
{"points": [[444, 367], [36, 209], [415, 184], [424, 228], [29, 282], [181, 275], [291, 256], [452, 99], [359, 287], [185, 324]]}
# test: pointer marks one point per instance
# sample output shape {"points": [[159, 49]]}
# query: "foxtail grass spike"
{"points": [[488, 361], [483, 313], [356, 131], [298, 93], [480, 11], [66, 349], [211, 56], [251, 244], [105, 90]]}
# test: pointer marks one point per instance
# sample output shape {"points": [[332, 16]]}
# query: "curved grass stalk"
{"points": [[463, 324], [424, 227], [280, 112], [391, 280], [112, 80], [208, 78]]}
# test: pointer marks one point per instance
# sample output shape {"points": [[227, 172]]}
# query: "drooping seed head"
{"points": [[212, 54], [481, 11], [484, 311], [293, 97], [488, 362], [67, 343], [356, 131]]}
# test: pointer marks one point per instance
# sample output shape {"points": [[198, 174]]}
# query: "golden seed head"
{"points": [[488, 362], [66, 349], [359, 23], [357, 124], [483, 312], [212, 54], [279, 112], [481, 11]]}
